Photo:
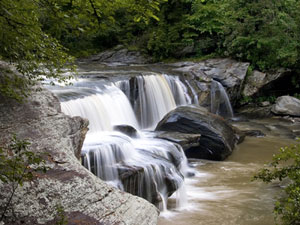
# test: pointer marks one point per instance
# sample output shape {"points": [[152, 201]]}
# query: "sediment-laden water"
{"points": [[223, 193]]}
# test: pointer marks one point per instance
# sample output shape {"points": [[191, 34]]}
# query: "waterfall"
{"points": [[155, 99], [220, 103], [195, 95], [103, 109], [154, 95], [145, 166]]}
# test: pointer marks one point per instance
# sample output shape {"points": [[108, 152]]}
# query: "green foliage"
{"points": [[270, 98], [24, 43], [285, 165], [245, 100], [265, 33], [18, 165], [39, 34]]}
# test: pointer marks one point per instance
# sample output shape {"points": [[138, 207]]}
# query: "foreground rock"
{"points": [[217, 140], [287, 105], [85, 198]]}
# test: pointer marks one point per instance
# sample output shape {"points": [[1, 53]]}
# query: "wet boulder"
{"points": [[253, 111], [217, 140], [287, 105], [128, 130]]}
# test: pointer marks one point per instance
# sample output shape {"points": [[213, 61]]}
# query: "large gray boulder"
{"points": [[254, 82], [287, 105], [85, 198], [217, 139], [259, 83]]}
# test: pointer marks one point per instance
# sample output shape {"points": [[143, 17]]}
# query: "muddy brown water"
{"points": [[223, 193]]}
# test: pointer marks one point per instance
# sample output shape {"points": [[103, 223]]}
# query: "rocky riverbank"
{"points": [[84, 198]]}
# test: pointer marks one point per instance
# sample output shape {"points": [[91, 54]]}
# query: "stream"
{"points": [[219, 193]]}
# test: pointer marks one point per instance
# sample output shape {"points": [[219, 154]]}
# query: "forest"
{"points": [[45, 39], [52, 32]]}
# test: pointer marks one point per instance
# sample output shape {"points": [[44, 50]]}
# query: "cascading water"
{"points": [[148, 167], [195, 96], [154, 95], [220, 103]]}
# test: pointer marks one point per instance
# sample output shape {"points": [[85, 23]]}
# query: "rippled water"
{"points": [[222, 192]]}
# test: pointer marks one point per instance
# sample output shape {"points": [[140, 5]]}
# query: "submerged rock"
{"points": [[253, 133], [217, 140], [287, 105], [255, 112], [83, 196]]}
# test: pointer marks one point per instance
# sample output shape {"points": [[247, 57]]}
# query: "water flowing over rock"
{"points": [[128, 130], [83, 196], [228, 72], [133, 161], [217, 140], [154, 95], [287, 105], [220, 103]]}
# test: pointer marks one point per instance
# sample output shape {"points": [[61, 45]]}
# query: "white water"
{"points": [[220, 103], [195, 95], [112, 155], [155, 99]]}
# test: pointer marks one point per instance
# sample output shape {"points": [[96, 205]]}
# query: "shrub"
{"points": [[285, 165]]}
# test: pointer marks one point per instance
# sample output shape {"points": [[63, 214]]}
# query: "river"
{"points": [[219, 193], [224, 193]]}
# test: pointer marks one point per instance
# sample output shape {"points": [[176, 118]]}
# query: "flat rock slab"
{"points": [[184, 140]]}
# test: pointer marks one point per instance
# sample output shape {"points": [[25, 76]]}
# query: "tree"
{"points": [[28, 47], [265, 32], [38, 34]]}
